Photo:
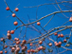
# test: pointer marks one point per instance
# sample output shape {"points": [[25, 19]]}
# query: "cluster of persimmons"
{"points": [[16, 49]]}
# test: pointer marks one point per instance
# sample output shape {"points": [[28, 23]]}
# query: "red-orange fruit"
{"points": [[8, 34], [55, 33], [50, 44], [2, 39], [40, 42], [59, 35], [32, 50], [18, 49], [38, 48], [60, 43], [65, 40], [7, 8], [16, 39], [70, 19], [57, 44], [28, 51], [16, 9], [24, 41], [38, 23], [62, 35], [8, 31], [13, 15], [18, 42], [24, 48], [5, 51], [41, 47], [13, 49], [12, 31], [31, 44], [5, 46], [1, 52], [15, 23]]}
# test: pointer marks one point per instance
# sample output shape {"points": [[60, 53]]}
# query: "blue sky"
{"points": [[6, 19]]}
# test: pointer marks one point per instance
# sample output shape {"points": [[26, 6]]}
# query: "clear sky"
{"points": [[6, 19]]}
